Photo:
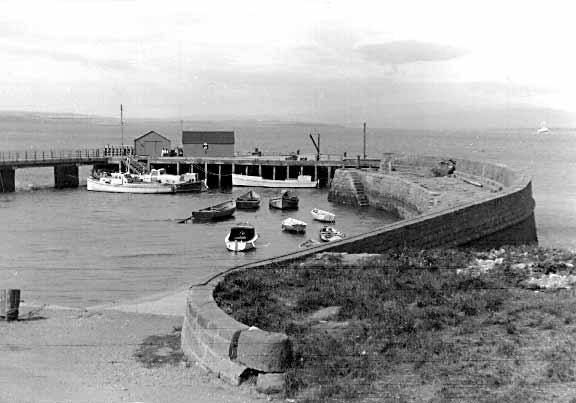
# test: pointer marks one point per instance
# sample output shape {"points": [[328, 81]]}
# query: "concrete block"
{"points": [[271, 383], [264, 351]]}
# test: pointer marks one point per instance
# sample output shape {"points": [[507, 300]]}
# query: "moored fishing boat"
{"points": [[324, 216], [286, 200], [293, 225], [242, 237], [216, 212], [248, 201], [331, 234], [118, 182], [303, 181]]}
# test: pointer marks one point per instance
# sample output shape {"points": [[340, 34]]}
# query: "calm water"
{"points": [[79, 248]]}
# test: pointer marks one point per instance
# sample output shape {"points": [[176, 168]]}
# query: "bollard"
{"points": [[9, 304]]}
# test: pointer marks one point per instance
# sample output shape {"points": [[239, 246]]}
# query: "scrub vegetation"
{"points": [[412, 325]]}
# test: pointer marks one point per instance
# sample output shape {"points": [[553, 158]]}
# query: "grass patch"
{"points": [[159, 350], [457, 335]]}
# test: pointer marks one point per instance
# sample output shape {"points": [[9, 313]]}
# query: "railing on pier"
{"points": [[49, 155], [30, 156]]}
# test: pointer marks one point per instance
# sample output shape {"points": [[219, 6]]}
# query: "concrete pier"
{"points": [[66, 176], [7, 179]]}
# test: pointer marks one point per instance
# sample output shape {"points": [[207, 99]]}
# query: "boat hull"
{"points": [[247, 204], [258, 181], [323, 216], [283, 204], [190, 187], [219, 212], [240, 246], [294, 226], [143, 188]]}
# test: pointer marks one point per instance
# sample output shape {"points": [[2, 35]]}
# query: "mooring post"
{"points": [[9, 304], [219, 176]]}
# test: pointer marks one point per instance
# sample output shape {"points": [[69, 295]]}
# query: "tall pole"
{"points": [[122, 127], [364, 140]]}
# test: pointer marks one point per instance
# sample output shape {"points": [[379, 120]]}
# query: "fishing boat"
{"points": [[303, 181], [286, 200], [242, 237], [248, 201], [185, 183], [331, 234], [324, 216], [216, 212], [119, 182], [293, 225]]}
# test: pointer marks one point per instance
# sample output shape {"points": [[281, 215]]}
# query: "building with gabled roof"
{"points": [[204, 143], [151, 144]]}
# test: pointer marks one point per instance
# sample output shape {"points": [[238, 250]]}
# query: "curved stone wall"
{"points": [[506, 216]]}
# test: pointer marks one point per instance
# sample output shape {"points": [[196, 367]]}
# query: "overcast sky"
{"points": [[334, 61]]}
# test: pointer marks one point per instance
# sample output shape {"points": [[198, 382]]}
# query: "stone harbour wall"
{"points": [[232, 350]]}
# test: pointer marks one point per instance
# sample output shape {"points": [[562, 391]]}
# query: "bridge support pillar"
{"points": [[7, 181], [66, 176]]}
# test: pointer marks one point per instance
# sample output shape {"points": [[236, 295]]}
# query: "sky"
{"points": [[410, 62]]}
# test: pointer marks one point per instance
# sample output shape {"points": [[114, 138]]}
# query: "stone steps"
{"points": [[359, 190]]}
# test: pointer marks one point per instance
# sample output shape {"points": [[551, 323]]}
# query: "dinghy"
{"points": [[248, 201], [286, 200], [324, 216], [331, 234], [216, 212], [242, 237], [293, 225]]}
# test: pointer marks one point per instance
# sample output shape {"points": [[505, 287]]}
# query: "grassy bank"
{"points": [[414, 325]]}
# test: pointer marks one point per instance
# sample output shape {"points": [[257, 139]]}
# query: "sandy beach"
{"points": [[54, 354]]}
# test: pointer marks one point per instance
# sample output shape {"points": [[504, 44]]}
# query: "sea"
{"points": [[76, 248]]}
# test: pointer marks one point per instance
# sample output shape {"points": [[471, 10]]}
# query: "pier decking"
{"points": [[217, 171]]}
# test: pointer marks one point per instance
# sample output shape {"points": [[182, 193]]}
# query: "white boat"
{"points": [[303, 181], [188, 182], [242, 237], [118, 182], [543, 129], [331, 234], [293, 225], [324, 216]]}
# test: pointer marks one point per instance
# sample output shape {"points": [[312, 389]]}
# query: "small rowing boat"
{"points": [[216, 212], [248, 201], [331, 234], [324, 216], [286, 200], [293, 225]]}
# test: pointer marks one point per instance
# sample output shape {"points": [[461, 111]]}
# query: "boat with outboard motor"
{"points": [[242, 237]]}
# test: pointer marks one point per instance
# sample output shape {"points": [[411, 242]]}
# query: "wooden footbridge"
{"points": [[217, 171]]}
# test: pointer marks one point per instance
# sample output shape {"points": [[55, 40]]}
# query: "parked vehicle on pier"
{"points": [[242, 237], [293, 225], [331, 234], [303, 181], [324, 216], [248, 201], [286, 200]]}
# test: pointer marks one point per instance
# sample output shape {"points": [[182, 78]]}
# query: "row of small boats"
{"points": [[242, 237]]}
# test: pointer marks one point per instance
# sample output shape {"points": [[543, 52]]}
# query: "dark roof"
{"points": [[151, 132], [210, 137]]}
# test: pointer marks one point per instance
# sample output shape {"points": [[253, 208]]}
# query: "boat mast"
{"points": [[122, 128]]}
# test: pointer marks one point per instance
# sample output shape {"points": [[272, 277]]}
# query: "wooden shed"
{"points": [[208, 143], [151, 144]]}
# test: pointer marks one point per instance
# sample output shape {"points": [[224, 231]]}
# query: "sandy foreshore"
{"points": [[54, 354]]}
